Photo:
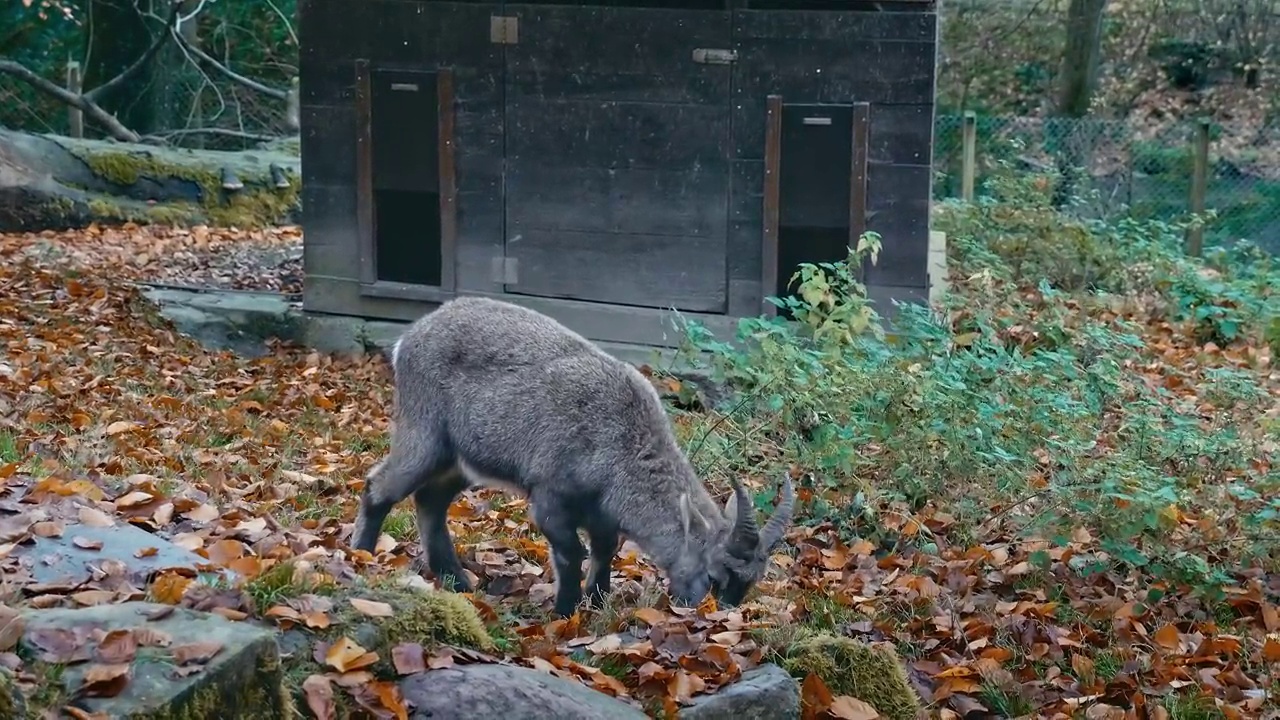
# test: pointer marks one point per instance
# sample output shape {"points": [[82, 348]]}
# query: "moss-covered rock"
{"points": [[872, 674], [193, 187]]}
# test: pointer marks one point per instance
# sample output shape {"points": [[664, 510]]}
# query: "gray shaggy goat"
{"points": [[493, 394]]}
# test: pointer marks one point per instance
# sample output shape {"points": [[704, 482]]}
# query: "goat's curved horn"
{"points": [[781, 518], [745, 534]]}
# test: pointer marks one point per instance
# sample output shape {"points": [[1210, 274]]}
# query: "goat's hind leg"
{"points": [[560, 527], [415, 459], [603, 540], [431, 504]]}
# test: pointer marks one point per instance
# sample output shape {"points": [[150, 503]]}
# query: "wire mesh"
{"points": [[1127, 170]]}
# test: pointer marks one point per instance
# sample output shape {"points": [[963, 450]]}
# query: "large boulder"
{"points": [[508, 692], [764, 693]]}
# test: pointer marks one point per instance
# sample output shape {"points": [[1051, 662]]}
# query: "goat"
{"points": [[491, 394]]}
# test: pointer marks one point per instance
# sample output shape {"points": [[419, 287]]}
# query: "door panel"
{"points": [[617, 173]]}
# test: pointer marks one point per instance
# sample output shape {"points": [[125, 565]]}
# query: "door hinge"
{"points": [[505, 271], [714, 56], [504, 30]]}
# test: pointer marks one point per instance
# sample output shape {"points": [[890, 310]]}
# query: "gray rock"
{"points": [[60, 561], [508, 692], [333, 333], [243, 680], [763, 693]]}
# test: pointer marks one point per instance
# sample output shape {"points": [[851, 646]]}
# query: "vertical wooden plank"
{"points": [[75, 119], [448, 182], [1199, 184], [364, 174], [772, 187], [858, 175], [969, 158]]}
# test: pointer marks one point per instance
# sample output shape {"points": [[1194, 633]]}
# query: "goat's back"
{"points": [[521, 395]]}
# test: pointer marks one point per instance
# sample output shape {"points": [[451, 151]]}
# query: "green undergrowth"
{"points": [[1040, 401]]}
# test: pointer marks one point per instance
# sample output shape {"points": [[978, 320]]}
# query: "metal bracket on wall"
{"points": [[504, 30], [714, 56], [504, 271]]}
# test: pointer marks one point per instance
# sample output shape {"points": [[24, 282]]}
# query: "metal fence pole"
{"points": [[969, 156], [1199, 184]]}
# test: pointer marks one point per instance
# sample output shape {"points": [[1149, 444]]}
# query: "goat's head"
{"points": [[738, 550]]}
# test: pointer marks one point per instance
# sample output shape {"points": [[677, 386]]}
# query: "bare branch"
{"points": [[223, 132], [227, 72], [158, 42], [91, 109]]}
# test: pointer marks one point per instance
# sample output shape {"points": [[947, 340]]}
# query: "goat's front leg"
{"points": [[567, 553]]}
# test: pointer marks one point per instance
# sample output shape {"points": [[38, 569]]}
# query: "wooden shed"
{"points": [[607, 161]]}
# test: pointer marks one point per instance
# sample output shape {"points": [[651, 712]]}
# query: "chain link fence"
{"points": [[1129, 170]]}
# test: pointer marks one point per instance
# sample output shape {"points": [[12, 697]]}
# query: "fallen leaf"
{"points": [[85, 543], [372, 608], [105, 680], [319, 694], [200, 652], [93, 517], [850, 708], [1167, 637], [408, 658], [345, 655], [118, 647], [12, 625]]}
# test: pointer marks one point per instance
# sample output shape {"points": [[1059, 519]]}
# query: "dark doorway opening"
{"points": [[404, 130]]}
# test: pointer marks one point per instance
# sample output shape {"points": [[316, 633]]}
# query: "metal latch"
{"points": [[714, 56], [504, 30]]}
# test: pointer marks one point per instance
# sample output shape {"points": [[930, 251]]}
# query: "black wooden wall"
{"points": [[598, 155]]}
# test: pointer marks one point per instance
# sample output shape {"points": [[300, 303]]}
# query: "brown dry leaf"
{"points": [[145, 552], [1270, 650], [122, 426], [105, 680], [649, 616], [203, 513], [815, 697], [408, 658], [12, 625], [850, 708], [93, 517], [389, 695], [48, 529], [345, 655], [200, 652], [319, 694], [169, 588], [85, 543], [1167, 637], [118, 647], [372, 608]]}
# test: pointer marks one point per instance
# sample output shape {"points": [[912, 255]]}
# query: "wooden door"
{"points": [[617, 154]]}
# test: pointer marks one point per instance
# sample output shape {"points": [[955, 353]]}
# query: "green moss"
{"points": [[873, 675], [427, 618], [11, 702], [258, 204]]}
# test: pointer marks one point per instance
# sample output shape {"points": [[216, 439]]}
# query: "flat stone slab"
{"points": [[80, 555], [766, 692], [508, 692], [186, 664]]}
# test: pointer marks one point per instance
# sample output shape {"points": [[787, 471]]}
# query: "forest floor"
{"points": [[255, 462]]}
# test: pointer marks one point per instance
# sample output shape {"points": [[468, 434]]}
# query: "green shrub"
{"points": [[1027, 403]]}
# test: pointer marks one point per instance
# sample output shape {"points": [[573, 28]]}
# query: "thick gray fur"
{"points": [[488, 393]]}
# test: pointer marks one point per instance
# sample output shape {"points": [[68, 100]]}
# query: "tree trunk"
{"points": [[49, 182], [1078, 79]]}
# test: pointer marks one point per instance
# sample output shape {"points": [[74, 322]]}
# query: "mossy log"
{"points": [[50, 182]]}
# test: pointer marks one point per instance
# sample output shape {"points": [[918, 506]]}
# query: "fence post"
{"points": [[75, 118], [1199, 183], [969, 144]]}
